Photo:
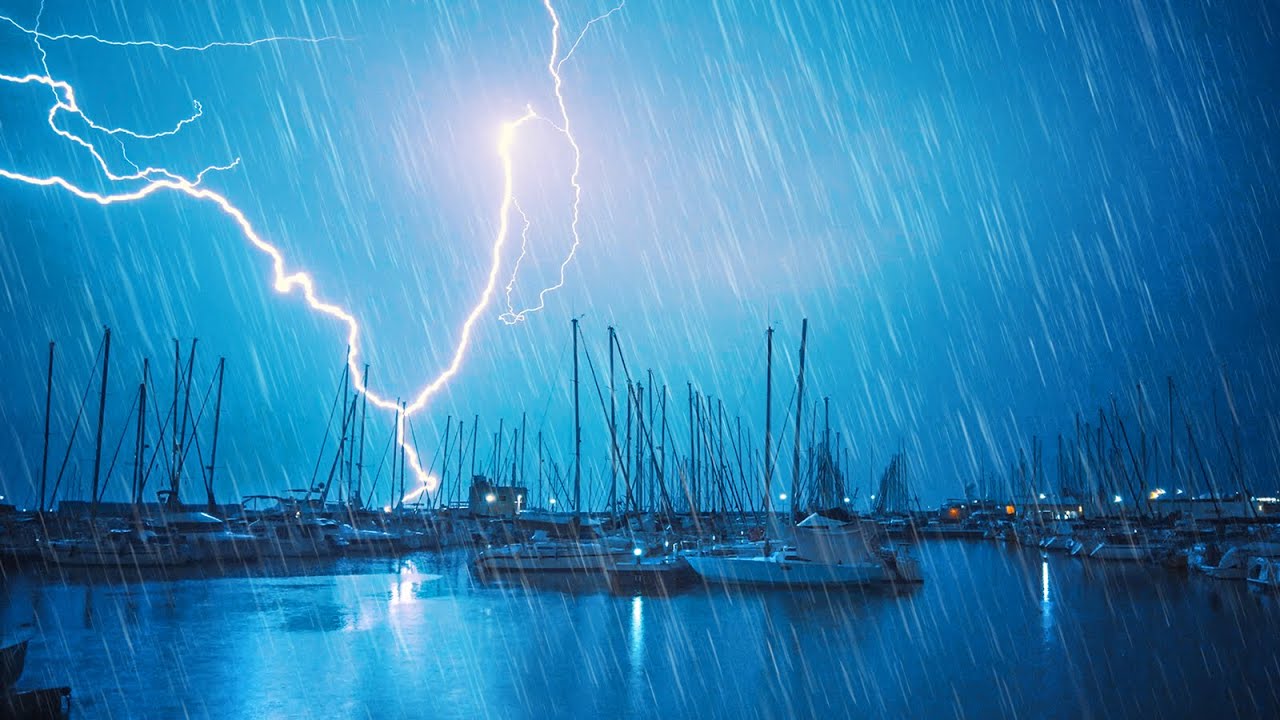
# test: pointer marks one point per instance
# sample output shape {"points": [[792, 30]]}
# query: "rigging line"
{"points": [[102, 490], [79, 417], [328, 425]]}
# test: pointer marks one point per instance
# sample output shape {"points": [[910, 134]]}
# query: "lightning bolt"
{"points": [[154, 180], [511, 316]]}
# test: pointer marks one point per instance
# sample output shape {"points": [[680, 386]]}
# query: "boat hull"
{"points": [[771, 572]]}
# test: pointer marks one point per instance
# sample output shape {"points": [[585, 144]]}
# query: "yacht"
{"points": [[283, 529], [544, 555], [131, 547], [206, 537], [1235, 562], [827, 553]]}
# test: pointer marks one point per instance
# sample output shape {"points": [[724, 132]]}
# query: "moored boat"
{"points": [[827, 553]]}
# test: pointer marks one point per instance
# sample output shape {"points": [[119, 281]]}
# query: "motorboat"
{"points": [[544, 555], [827, 552], [1235, 562], [131, 547], [207, 537]]}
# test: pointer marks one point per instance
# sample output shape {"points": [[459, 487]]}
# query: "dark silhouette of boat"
{"points": [[44, 704]]}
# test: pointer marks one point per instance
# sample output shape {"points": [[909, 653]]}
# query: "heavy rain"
{"points": [[639, 358]]}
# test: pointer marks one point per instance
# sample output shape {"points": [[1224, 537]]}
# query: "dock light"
{"points": [[847, 501], [490, 498], [1118, 499], [552, 501], [637, 552], [386, 509], [1156, 493], [782, 496], [1041, 496]]}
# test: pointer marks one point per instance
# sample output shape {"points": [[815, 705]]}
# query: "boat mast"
{"points": [[577, 428], [768, 423], [44, 456], [186, 414], [140, 444], [613, 429], [102, 411], [795, 457], [364, 415], [217, 423]]}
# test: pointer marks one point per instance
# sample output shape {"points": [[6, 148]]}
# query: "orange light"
{"points": [[954, 512], [1008, 510]]}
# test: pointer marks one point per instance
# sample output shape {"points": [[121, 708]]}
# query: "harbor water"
{"points": [[994, 632]]}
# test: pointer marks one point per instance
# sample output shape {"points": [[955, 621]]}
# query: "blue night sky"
{"points": [[994, 216]]}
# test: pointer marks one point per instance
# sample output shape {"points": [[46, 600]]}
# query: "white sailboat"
{"points": [[827, 553]]}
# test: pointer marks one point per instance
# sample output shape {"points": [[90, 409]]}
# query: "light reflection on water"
{"points": [[994, 632]]}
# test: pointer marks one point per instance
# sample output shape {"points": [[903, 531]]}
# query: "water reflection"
{"points": [[408, 643]]}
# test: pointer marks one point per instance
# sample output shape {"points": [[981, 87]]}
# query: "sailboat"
{"points": [[827, 553]]}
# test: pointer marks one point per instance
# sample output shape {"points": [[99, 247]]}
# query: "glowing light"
{"points": [[552, 501], [153, 180], [782, 496], [1118, 499], [847, 501], [637, 552], [490, 498], [1041, 496], [414, 494], [1158, 492]]}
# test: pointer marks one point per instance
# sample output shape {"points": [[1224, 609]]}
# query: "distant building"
{"points": [[487, 499], [954, 511]]}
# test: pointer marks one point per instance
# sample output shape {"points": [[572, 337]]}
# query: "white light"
{"points": [[552, 501], [386, 508], [490, 498], [782, 496], [666, 543], [1041, 496], [638, 552], [1118, 499], [847, 501]]}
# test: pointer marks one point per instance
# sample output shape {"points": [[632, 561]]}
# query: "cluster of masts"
{"points": [[169, 452], [649, 470], [1134, 459]]}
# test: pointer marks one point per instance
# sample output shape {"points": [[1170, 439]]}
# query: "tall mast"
{"points": [[795, 458], [693, 465], [768, 425], [613, 429], [140, 443], [44, 456], [217, 423], [577, 428], [186, 414], [102, 411], [364, 415], [524, 441], [1173, 468]]}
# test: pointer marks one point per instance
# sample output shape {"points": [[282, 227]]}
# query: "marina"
{"points": [[652, 359], [996, 631]]}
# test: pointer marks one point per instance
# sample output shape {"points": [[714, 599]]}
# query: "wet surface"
{"points": [[993, 632]]}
